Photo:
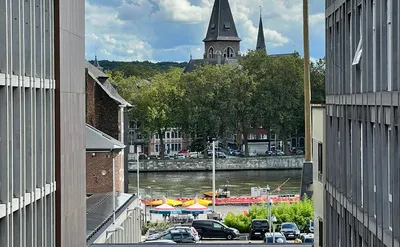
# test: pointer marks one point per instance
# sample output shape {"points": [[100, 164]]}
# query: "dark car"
{"points": [[214, 229], [276, 237], [258, 228], [290, 230], [176, 236]]}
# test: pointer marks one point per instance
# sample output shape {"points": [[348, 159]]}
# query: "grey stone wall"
{"points": [[256, 163]]}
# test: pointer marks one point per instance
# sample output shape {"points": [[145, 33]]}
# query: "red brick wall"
{"points": [[96, 182], [101, 110]]}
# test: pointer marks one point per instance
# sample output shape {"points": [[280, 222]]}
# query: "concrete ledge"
{"points": [[228, 164]]}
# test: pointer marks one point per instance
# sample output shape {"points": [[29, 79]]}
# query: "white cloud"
{"points": [[173, 29]]}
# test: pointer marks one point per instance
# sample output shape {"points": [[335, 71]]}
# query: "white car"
{"points": [[180, 156], [161, 241]]}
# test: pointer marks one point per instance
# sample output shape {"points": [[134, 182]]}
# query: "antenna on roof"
{"points": [[190, 56], [260, 11]]}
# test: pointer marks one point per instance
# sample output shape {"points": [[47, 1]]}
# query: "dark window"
{"points": [[217, 226], [260, 224], [227, 25], [320, 159], [321, 233]]}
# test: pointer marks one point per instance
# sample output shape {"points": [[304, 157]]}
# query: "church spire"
{"points": [[96, 63], [222, 25], [260, 38]]}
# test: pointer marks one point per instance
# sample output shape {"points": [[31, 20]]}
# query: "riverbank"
{"points": [[228, 164]]}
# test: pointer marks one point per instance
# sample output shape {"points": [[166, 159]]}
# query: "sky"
{"points": [[172, 30]]}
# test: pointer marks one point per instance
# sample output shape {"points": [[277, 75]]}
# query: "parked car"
{"points": [[308, 238], [214, 229], [220, 155], [180, 156], [184, 152], [269, 153], [194, 155], [162, 241], [188, 229], [290, 230], [279, 152], [176, 235], [299, 152], [258, 228], [276, 237]]}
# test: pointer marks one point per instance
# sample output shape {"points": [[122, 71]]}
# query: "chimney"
{"points": [[219, 57]]}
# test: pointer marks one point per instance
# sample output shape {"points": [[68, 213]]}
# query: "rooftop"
{"points": [[99, 141], [99, 212]]}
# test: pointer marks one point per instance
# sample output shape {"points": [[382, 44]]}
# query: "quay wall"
{"points": [[228, 164]]}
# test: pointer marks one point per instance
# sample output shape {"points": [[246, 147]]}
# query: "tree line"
{"points": [[145, 69], [219, 101]]}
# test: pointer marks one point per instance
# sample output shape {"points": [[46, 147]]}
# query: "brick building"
{"points": [[101, 149], [107, 111]]}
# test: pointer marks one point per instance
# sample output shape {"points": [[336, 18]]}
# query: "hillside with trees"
{"points": [[144, 70]]}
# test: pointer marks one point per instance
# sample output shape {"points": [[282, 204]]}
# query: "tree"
{"points": [[156, 102], [317, 80], [206, 101], [243, 107], [284, 109]]}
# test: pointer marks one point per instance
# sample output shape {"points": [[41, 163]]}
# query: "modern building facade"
{"points": [[319, 166], [42, 123], [362, 117]]}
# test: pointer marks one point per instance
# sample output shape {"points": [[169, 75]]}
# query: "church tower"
{"points": [[222, 37], [260, 37]]}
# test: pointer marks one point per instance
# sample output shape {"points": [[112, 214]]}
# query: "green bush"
{"points": [[300, 213]]}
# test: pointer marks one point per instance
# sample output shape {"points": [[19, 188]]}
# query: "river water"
{"points": [[189, 184]]}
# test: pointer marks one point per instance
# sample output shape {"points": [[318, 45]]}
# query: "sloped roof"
{"points": [[102, 80], [99, 141], [222, 25], [260, 37], [99, 212], [95, 71]]}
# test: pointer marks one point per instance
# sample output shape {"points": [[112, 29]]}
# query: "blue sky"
{"points": [[172, 30]]}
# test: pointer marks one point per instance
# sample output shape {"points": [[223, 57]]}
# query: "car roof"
{"points": [[259, 220]]}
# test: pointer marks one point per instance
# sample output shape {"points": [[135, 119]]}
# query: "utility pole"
{"points": [[307, 175], [307, 92], [213, 176]]}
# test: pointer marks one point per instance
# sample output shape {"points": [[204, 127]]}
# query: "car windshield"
{"points": [[289, 226], [224, 225], [260, 223]]}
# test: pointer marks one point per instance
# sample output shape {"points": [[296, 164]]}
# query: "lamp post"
{"points": [[137, 174], [213, 176]]}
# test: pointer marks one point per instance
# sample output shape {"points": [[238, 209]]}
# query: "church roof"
{"points": [[260, 37], [222, 25]]}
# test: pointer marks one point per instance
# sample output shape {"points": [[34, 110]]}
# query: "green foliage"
{"points": [[157, 226], [300, 213], [145, 70], [317, 80], [218, 101]]}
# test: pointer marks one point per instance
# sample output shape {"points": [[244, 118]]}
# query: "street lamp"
{"points": [[213, 176]]}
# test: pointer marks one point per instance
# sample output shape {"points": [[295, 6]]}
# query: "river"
{"points": [[188, 184]]}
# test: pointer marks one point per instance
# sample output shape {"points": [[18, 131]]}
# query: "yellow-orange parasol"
{"points": [[168, 201], [199, 201]]}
